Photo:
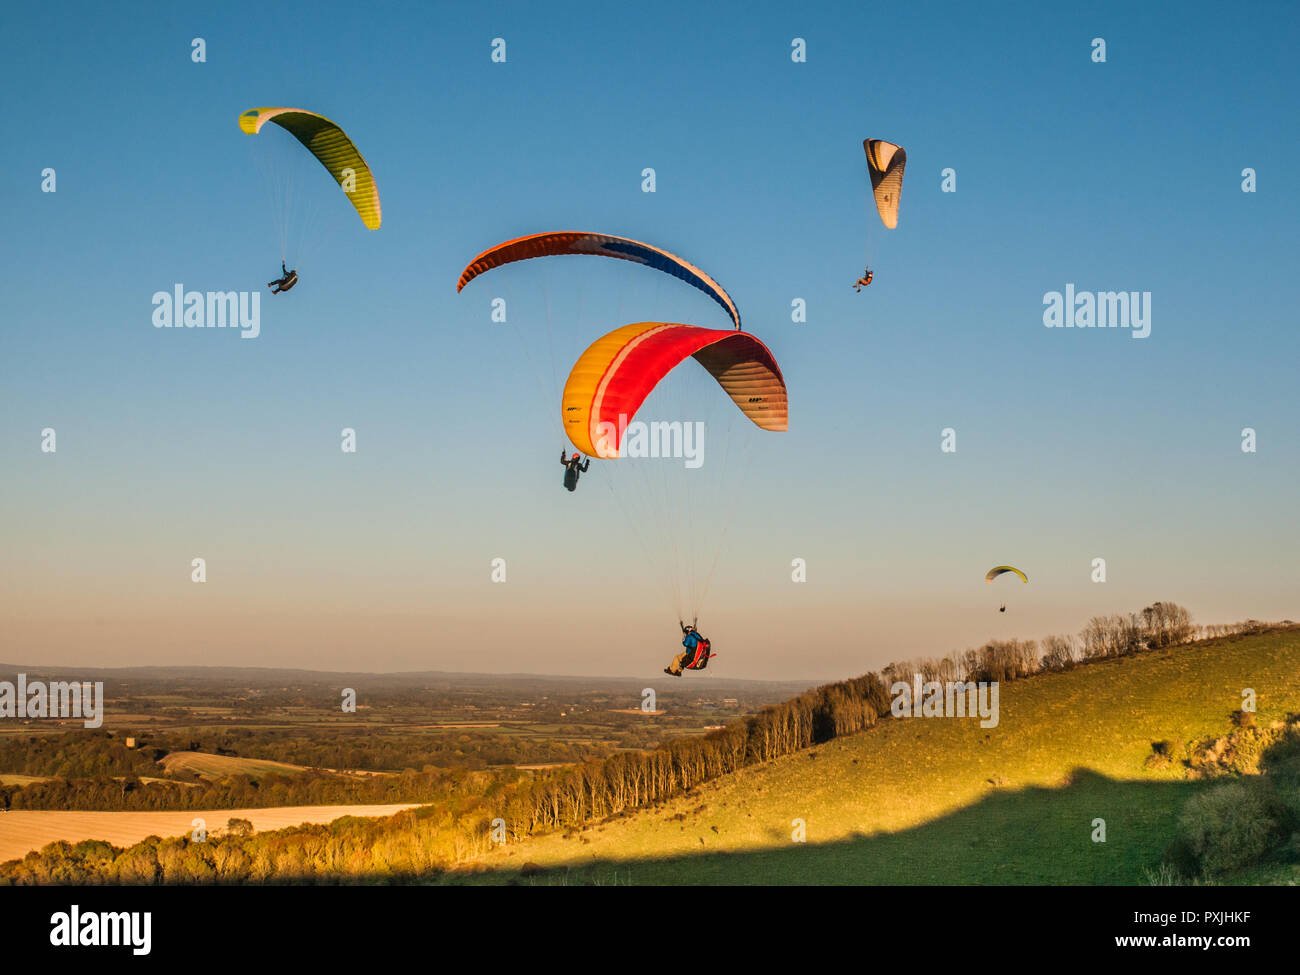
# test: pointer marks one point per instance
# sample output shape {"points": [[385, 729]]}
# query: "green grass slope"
{"points": [[935, 801]]}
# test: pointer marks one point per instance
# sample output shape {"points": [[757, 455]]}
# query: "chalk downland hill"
{"points": [[935, 801]]}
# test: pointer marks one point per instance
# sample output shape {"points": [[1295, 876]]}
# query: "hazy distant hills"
{"points": [[279, 676]]}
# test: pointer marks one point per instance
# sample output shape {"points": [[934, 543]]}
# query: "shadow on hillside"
{"points": [[1011, 836]]}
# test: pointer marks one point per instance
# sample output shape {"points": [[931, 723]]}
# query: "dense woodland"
{"points": [[437, 837]]}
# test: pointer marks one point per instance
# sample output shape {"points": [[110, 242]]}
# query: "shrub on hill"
{"points": [[1233, 825]]}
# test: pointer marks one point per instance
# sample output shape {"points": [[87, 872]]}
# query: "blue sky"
{"points": [[1071, 444]]}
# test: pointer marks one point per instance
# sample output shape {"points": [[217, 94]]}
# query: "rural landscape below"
{"points": [[924, 519], [442, 778]]}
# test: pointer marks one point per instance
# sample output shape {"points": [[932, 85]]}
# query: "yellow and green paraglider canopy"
{"points": [[997, 570], [332, 147]]}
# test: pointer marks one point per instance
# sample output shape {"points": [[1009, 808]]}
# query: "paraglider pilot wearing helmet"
{"points": [[572, 468], [695, 656]]}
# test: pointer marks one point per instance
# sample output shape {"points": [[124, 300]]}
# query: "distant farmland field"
{"points": [[219, 766], [15, 778], [24, 830]]}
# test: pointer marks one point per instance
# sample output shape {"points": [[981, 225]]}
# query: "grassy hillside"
{"points": [[944, 801]]}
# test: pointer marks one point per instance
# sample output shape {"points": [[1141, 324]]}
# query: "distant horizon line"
{"points": [[6, 668]]}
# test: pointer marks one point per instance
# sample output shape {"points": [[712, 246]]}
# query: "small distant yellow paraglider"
{"points": [[998, 570]]}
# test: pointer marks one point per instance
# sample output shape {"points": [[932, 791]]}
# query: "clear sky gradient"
{"points": [[1072, 445]]}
